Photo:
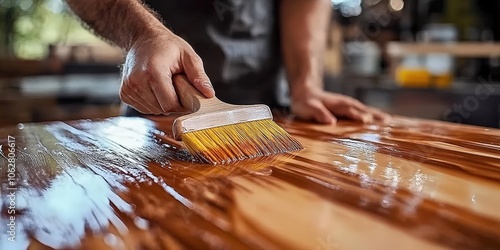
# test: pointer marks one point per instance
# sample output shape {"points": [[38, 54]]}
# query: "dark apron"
{"points": [[238, 41]]}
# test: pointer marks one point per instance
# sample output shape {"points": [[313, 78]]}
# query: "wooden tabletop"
{"points": [[123, 183]]}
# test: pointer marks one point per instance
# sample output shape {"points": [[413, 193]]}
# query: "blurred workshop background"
{"points": [[431, 59]]}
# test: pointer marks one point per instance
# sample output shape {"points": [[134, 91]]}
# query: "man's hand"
{"points": [[154, 53], [304, 27], [324, 107], [149, 67]]}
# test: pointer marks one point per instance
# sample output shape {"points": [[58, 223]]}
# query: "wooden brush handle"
{"points": [[191, 99], [210, 112]]}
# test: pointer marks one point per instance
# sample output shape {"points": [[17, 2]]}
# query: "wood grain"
{"points": [[124, 183]]}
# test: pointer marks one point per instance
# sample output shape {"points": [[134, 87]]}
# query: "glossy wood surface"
{"points": [[123, 183]]}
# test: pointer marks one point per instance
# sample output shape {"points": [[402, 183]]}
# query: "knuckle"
{"points": [[149, 67], [155, 71], [193, 57], [131, 82], [183, 44], [196, 58]]}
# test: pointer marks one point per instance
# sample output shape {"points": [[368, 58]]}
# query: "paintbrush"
{"points": [[218, 132]]}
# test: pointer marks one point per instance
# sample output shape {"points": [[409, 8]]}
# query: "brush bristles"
{"points": [[239, 141]]}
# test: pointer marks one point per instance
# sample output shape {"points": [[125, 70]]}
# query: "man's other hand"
{"points": [[324, 107]]}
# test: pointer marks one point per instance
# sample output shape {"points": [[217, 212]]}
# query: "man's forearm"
{"points": [[304, 25], [120, 21]]}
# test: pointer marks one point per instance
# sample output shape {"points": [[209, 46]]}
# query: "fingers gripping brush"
{"points": [[217, 132]]}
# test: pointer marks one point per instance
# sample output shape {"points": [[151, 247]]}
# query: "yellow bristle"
{"points": [[239, 141]]}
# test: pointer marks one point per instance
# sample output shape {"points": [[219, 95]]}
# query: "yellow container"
{"points": [[413, 77], [421, 78]]}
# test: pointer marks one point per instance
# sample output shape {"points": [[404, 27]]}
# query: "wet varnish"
{"points": [[123, 183]]}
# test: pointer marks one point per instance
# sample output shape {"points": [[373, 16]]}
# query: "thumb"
{"points": [[322, 114], [193, 67]]}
